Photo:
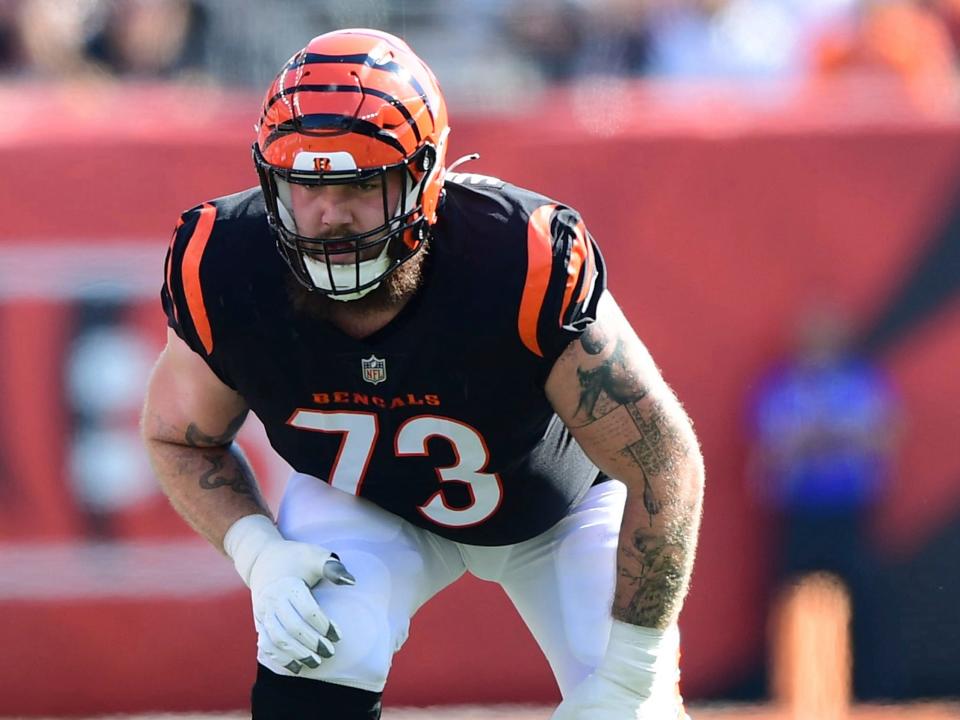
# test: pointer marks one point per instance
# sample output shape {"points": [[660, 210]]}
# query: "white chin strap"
{"points": [[345, 276]]}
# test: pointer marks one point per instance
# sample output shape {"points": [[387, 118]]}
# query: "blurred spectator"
{"points": [[54, 36], [823, 431], [583, 37], [497, 54], [151, 38], [738, 38], [89, 38], [897, 38], [899, 35], [616, 38], [10, 52], [574, 38], [549, 34]]}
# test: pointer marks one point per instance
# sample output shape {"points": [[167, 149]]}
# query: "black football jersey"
{"points": [[440, 417]]}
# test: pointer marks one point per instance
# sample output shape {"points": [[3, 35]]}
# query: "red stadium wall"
{"points": [[717, 224]]}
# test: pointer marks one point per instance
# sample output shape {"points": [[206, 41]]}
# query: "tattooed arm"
{"points": [[608, 391], [189, 422]]}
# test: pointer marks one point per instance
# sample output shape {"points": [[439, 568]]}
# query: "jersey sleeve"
{"points": [[565, 279], [184, 297]]}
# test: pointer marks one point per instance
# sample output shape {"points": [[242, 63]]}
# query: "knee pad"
{"points": [[283, 697]]}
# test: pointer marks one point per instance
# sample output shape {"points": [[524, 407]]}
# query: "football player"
{"points": [[438, 358]]}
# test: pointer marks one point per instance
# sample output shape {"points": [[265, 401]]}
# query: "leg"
{"points": [[398, 568], [279, 697], [562, 582]]}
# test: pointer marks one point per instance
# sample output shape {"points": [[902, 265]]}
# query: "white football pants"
{"points": [[561, 582]]}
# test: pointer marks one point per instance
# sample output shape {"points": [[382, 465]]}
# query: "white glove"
{"points": [[293, 629], [637, 679]]}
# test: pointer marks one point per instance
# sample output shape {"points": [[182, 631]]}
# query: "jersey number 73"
{"points": [[360, 431]]}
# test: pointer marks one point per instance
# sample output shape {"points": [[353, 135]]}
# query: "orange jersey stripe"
{"points": [[191, 275], [578, 255], [539, 264]]}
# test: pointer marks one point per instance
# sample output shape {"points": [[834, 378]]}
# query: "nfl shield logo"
{"points": [[374, 370]]}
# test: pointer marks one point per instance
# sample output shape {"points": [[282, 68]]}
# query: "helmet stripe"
{"points": [[349, 89], [328, 124], [365, 59]]}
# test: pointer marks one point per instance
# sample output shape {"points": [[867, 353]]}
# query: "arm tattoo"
{"points": [[210, 480], [649, 432], [195, 437], [650, 501], [661, 447], [604, 388], [657, 575], [659, 452], [594, 339]]}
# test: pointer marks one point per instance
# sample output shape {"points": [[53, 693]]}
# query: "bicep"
{"points": [[187, 403], [607, 389]]}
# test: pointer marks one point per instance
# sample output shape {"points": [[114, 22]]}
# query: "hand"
{"points": [[600, 698], [637, 679], [294, 631]]}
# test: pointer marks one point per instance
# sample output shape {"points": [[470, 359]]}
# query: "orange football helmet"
{"points": [[349, 107]]}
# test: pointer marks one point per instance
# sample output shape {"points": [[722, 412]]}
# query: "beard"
{"points": [[392, 292]]}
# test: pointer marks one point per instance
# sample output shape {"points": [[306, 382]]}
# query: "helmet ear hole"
{"points": [[427, 159]]}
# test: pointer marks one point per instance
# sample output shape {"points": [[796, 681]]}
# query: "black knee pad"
{"points": [[283, 697]]}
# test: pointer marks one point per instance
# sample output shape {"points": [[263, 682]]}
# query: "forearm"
{"points": [[658, 538], [648, 443], [210, 487], [634, 428]]}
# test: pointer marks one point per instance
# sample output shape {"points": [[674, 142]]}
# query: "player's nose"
{"points": [[327, 210]]}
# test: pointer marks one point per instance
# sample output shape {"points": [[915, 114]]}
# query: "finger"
{"points": [[286, 646], [268, 650], [295, 666], [306, 606], [333, 633], [300, 631], [325, 646], [274, 654], [337, 573]]}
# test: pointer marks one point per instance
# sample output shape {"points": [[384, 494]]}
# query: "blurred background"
{"points": [[776, 187]]}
